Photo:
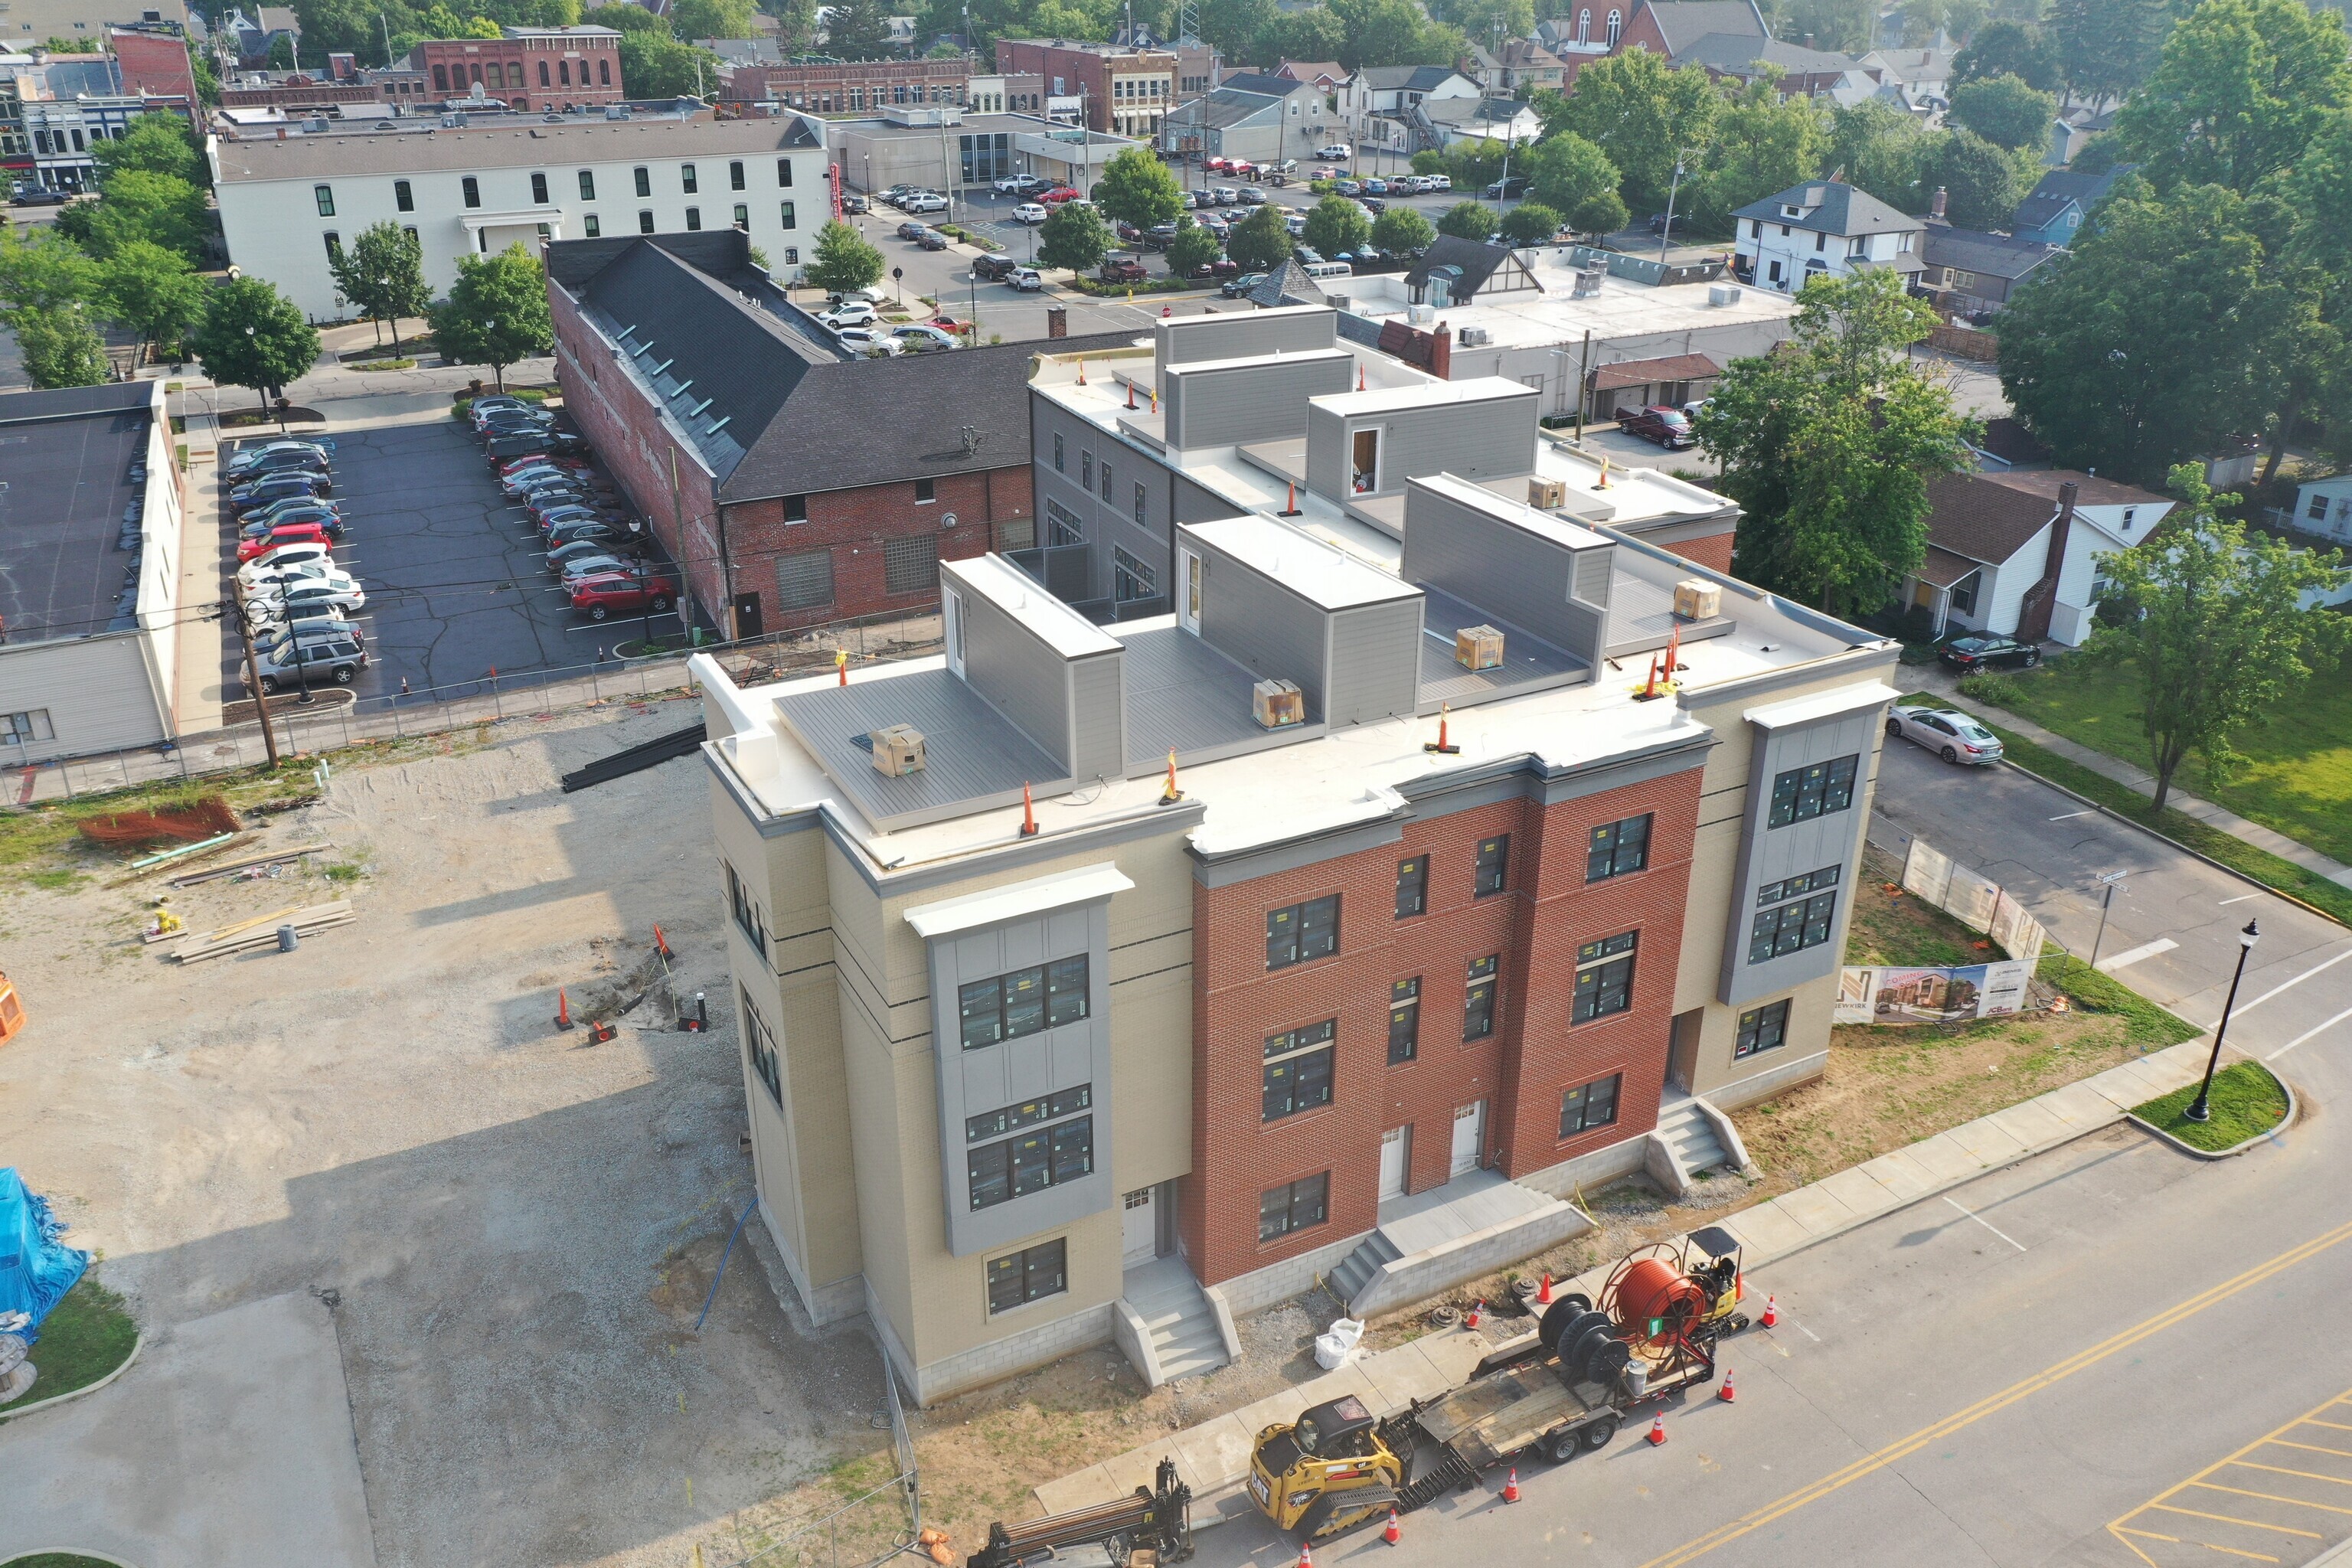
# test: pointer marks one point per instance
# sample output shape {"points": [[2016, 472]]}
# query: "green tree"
{"points": [[1829, 443], [1883, 151], [61, 348], [1532, 222], [152, 291], [1260, 242], [1403, 229], [1379, 32], [1074, 237], [795, 23], [496, 312], [1467, 220], [1235, 26], [1312, 33], [2244, 86], [1761, 145], [41, 271], [138, 205], [442, 20], [155, 141], [1193, 248], [1640, 115], [1138, 188], [351, 25], [1568, 175], [2008, 48], [860, 30], [1841, 25], [843, 260], [625, 16], [2135, 350], [253, 336], [656, 67], [2107, 47], [382, 272], [2004, 111], [713, 19], [2210, 620], [1336, 223], [1982, 182]]}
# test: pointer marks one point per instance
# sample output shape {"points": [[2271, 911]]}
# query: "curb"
{"points": [[67, 1398], [64, 1551], [2294, 1111]]}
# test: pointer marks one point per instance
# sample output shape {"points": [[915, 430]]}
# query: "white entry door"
{"points": [[1469, 1137], [1396, 1146], [1142, 1236]]}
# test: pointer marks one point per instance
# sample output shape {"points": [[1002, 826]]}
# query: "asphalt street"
{"points": [[2111, 1354]]}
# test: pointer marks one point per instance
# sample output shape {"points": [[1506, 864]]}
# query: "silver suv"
{"points": [[305, 657]]}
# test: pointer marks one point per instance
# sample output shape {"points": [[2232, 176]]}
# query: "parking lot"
{"points": [[456, 577]]}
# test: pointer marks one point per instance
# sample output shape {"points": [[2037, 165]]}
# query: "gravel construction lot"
{"points": [[457, 584], [520, 1228]]}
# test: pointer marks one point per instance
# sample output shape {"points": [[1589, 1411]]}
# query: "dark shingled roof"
{"points": [[1682, 23], [1992, 255], [1836, 209], [1474, 257], [2051, 195], [1970, 516]]}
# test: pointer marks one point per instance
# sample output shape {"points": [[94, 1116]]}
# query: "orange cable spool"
{"points": [[1651, 1290]]}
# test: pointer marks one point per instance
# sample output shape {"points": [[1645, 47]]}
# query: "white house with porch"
{"points": [[2016, 555], [1826, 226]]}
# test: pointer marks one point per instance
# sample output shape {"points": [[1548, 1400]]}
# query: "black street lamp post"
{"points": [[2202, 1107]]}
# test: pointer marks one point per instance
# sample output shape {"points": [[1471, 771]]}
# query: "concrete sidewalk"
{"points": [[1213, 1458], [1934, 678]]}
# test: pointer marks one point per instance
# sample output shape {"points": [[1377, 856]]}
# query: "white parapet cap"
{"points": [[1016, 901], [1023, 598], [1821, 705], [1422, 394], [1307, 566]]}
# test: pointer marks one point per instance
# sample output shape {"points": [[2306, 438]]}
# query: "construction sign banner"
{"points": [[1875, 994]]}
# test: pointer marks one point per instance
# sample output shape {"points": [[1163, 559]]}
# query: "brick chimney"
{"points": [[2042, 599], [1441, 352], [1935, 204]]}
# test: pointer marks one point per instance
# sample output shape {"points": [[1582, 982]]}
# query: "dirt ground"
{"points": [[514, 1230]]}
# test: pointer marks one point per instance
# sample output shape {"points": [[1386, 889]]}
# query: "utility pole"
{"points": [[387, 39], [1666, 238], [1583, 379], [253, 679]]}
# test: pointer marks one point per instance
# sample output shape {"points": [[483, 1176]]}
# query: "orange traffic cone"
{"points": [[1771, 1311], [1543, 1297], [1393, 1534], [1511, 1486], [1476, 1308], [563, 1009], [1306, 1558], [1028, 814], [661, 944], [1657, 1430], [1724, 1392]]}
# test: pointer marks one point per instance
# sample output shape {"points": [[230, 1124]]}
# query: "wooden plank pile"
{"points": [[230, 869], [261, 931]]}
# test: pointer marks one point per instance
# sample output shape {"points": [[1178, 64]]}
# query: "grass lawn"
{"points": [[2246, 1102], [1893, 927], [85, 1336], [2297, 776]]}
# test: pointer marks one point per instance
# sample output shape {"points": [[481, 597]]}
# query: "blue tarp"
{"points": [[36, 1267]]}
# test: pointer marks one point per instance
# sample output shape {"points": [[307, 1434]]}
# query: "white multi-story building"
{"points": [[1827, 226], [290, 196]]}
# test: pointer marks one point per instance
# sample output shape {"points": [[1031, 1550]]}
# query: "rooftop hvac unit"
{"points": [[1420, 315], [1546, 495], [1277, 704], [1476, 338], [1723, 293], [898, 750], [1587, 284], [1697, 599], [616, 111], [1479, 648], [1338, 302]]}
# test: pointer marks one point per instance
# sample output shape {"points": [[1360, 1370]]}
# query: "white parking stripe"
{"points": [[2290, 984], [2132, 955], [1988, 1225]]}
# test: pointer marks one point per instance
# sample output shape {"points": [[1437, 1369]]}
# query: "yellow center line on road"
{"points": [[1870, 1464]]}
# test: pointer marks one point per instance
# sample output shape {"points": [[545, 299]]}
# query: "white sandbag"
{"points": [[1337, 1345]]}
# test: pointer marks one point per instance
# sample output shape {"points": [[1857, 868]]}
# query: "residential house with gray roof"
{"points": [[1822, 225]]}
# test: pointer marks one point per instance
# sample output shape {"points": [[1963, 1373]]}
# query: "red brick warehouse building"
{"points": [[528, 68], [792, 486]]}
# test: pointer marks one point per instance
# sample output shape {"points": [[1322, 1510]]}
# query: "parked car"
{"points": [[1020, 185], [1954, 737], [345, 597], [1348, 187], [1658, 221], [539, 460], [571, 531], [309, 657], [1055, 196], [270, 488], [1122, 270], [297, 508], [948, 323], [551, 508], [36, 196], [1159, 234], [1296, 223], [1977, 652], [533, 443], [1669, 427], [873, 339], [852, 203], [495, 403], [533, 476], [564, 517], [1372, 204], [931, 239], [853, 315], [920, 337], [891, 193], [1030, 212], [925, 201], [993, 269], [1216, 164], [1376, 187], [275, 459], [1027, 280], [591, 563], [1307, 255], [271, 616], [1224, 195], [280, 534], [1509, 189], [504, 425], [1335, 153], [1439, 182], [1223, 267], [563, 554], [1253, 197], [309, 557], [1234, 288], [619, 593]]}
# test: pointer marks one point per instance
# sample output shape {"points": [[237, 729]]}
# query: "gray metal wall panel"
{"points": [[1327, 454], [1770, 853], [973, 1081], [1025, 678], [1189, 340], [1593, 574], [1491, 563], [1261, 624], [1375, 662], [1098, 717], [1245, 403], [1483, 440]]}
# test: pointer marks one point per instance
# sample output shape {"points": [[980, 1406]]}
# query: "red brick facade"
{"points": [[1713, 552], [853, 87], [538, 69], [1521, 1070]]}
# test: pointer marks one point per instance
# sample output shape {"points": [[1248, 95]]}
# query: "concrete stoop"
{"points": [[1474, 1224], [1165, 1324]]}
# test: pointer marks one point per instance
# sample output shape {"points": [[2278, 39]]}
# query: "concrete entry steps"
{"points": [[1179, 1327], [1428, 1240], [1690, 1138]]}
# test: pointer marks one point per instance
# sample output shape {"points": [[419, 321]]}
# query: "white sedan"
{"points": [[869, 340], [1029, 212], [852, 313], [1953, 736]]}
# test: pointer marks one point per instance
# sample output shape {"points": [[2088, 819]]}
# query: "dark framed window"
{"points": [[1791, 927], [1617, 848], [326, 199], [603, 72], [789, 218], [1106, 490], [735, 175], [911, 564], [1030, 1162], [1589, 1105], [545, 79], [1761, 1029], [538, 189], [471, 189], [1086, 469], [1029, 1275], [1298, 1072], [1141, 497], [926, 490], [1478, 997], [742, 217], [1057, 452], [796, 509], [1029, 1113], [645, 222], [694, 217], [1302, 931], [1816, 790], [783, 173], [686, 179], [746, 910], [760, 1047], [1494, 865], [592, 229], [1412, 887], [334, 245], [1025, 1002], [1604, 978], [1404, 1021], [1800, 885], [1294, 1206], [644, 182], [403, 196]]}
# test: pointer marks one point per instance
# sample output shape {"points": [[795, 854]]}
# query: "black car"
{"points": [[330, 521], [1658, 223], [1508, 190], [913, 229], [931, 239], [1979, 652], [993, 269], [276, 487]]}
